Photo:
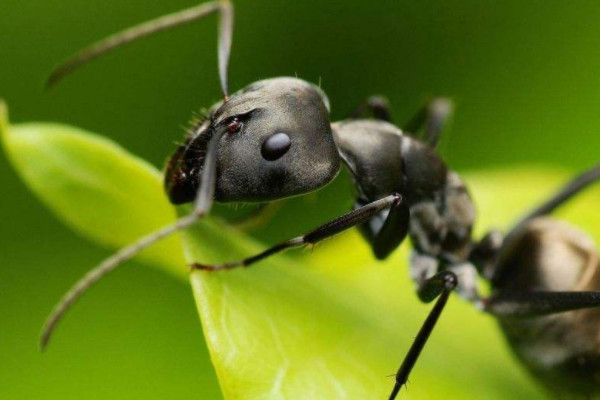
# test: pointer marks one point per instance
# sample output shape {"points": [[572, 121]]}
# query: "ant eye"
{"points": [[275, 146], [234, 126]]}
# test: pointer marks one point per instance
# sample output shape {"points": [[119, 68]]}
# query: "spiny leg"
{"points": [[105, 46], [572, 188], [433, 117], [346, 221], [202, 207], [378, 106], [439, 285], [539, 303]]}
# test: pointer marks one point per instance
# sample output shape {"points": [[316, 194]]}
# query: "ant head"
{"points": [[275, 136], [277, 142]]}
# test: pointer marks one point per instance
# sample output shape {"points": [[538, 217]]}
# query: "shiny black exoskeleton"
{"points": [[274, 139]]}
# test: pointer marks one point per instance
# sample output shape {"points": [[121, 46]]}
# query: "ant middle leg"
{"points": [[353, 218], [438, 286]]}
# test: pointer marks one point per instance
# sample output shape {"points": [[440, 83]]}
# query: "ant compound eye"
{"points": [[234, 126], [275, 146]]}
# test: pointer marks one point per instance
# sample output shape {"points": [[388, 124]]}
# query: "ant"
{"points": [[273, 140]]}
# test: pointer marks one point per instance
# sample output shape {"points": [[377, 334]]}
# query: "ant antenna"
{"points": [[202, 206], [105, 46]]}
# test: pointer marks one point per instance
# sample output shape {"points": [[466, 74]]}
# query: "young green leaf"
{"points": [[338, 324], [333, 326], [93, 185]]}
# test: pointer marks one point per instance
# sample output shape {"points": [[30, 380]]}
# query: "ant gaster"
{"points": [[273, 139], [545, 281]]}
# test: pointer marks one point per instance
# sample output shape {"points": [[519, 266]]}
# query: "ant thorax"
{"points": [[382, 160]]}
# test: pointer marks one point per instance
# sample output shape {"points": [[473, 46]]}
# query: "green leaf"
{"points": [[330, 325], [93, 185], [338, 324]]}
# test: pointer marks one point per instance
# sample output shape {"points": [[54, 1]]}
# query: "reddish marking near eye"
{"points": [[234, 126]]}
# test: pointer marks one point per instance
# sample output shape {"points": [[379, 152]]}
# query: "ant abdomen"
{"points": [[551, 256]]}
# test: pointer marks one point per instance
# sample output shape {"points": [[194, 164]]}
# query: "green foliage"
{"points": [[332, 326], [523, 90], [93, 185]]}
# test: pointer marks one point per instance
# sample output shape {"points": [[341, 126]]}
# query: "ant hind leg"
{"points": [[377, 106], [432, 117], [539, 303], [572, 188], [438, 286]]}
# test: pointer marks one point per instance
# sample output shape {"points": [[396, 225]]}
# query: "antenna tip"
{"points": [[45, 336], [51, 81], [57, 74], [43, 344]]}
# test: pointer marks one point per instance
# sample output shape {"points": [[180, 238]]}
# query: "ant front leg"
{"points": [[346, 221], [432, 117], [378, 106], [438, 286]]}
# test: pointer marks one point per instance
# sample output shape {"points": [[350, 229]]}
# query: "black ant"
{"points": [[273, 139]]}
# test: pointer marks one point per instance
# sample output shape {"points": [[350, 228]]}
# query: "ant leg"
{"points": [[438, 286], [99, 49], [346, 221], [257, 217], [539, 303], [433, 116], [378, 106], [572, 188], [387, 230], [202, 206]]}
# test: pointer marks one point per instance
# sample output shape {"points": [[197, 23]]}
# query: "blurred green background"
{"points": [[524, 76]]}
